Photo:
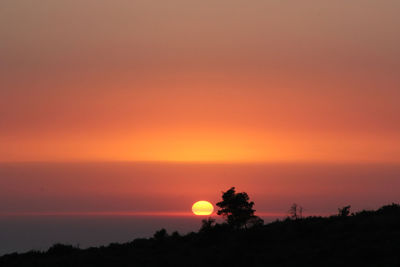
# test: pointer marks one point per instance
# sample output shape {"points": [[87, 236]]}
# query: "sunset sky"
{"points": [[273, 81], [116, 116]]}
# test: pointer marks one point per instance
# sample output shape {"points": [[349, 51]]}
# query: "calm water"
{"points": [[31, 194], [23, 233]]}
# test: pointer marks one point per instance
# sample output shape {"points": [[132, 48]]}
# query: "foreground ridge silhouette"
{"points": [[365, 238]]}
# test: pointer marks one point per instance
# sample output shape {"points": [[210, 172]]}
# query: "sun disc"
{"points": [[202, 207]]}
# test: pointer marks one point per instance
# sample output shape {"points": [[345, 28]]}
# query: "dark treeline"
{"points": [[365, 238]]}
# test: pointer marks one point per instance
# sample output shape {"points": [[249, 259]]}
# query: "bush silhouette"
{"points": [[207, 224], [345, 211], [61, 249], [161, 234]]}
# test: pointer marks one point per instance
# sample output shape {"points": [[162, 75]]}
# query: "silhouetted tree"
{"points": [[237, 209], [296, 212], [345, 211]]}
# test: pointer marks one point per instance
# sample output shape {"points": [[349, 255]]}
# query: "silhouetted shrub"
{"points": [[61, 249], [344, 212], [161, 234], [207, 224]]}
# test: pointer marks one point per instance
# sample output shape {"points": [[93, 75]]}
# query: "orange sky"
{"points": [[156, 188], [210, 81]]}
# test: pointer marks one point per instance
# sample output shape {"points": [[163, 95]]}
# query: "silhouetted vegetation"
{"points": [[207, 224], [345, 211], [365, 238], [238, 210], [160, 235], [296, 212]]}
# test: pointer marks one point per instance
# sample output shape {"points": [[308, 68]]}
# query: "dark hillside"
{"points": [[367, 238]]}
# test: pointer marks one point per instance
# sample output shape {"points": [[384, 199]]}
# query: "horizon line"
{"points": [[145, 214]]}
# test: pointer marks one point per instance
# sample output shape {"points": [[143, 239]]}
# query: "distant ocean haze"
{"points": [[98, 203]]}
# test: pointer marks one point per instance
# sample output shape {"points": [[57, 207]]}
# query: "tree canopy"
{"points": [[238, 209]]}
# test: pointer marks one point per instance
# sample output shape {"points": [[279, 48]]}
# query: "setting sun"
{"points": [[202, 208], [275, 122]]}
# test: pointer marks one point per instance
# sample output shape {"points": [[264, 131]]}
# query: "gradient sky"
{"points": [[173, 187], [289, 101], [200, 81]]}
